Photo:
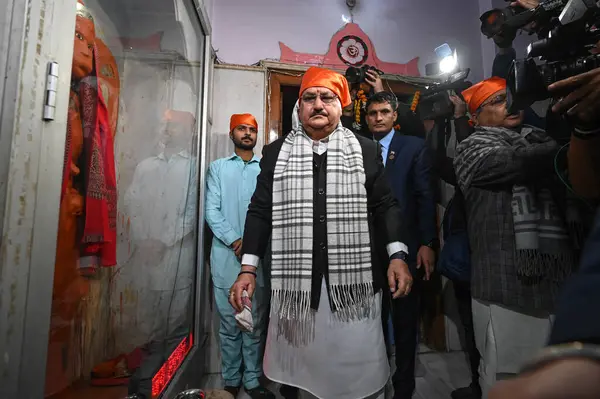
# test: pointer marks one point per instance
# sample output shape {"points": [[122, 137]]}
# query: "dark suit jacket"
{"points": [[578, 307], [408, 171], [384, 213]]}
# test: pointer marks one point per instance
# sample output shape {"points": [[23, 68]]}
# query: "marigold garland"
{"points": [[359, 103], [415, 101]]}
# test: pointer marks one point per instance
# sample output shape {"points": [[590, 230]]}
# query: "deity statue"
{"points": [[86, 236]]}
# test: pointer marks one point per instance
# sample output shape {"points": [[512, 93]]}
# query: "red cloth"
{"points": [[99, 238], [320, 77], [478, 93], [242, 119]]}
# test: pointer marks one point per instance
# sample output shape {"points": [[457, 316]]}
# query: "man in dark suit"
{"points": [[320, 196], [408, 171]]}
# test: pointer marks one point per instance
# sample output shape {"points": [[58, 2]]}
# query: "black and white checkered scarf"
{"points": [[348, 244]]}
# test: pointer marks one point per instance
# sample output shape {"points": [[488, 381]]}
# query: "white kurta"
{"points": [[344, 361], [161, 204]]}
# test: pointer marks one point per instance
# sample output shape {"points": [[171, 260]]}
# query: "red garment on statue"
{"points": [[99, 237]]}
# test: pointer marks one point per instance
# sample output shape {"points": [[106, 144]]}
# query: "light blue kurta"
{"points": [[230, 185], [229, 188]]}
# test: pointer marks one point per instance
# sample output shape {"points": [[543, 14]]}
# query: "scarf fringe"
{"points": [[295, 319], [353, 302], [533, 264]]}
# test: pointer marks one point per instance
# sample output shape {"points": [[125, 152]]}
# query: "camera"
{"points": [[565, 50], [435, 101], [355, 75], [501, 22]]}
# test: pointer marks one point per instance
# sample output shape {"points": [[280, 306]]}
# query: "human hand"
{"points": [[245, 282], [426, 257], [399, 278], [575, 378], [460, 106], [373, 79], [237, 247], [583, 101], [527, 4]]}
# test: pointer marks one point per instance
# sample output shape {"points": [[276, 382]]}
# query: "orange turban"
{"points": [[320, 77], [478, 93], [242, 119], [182, 117]]}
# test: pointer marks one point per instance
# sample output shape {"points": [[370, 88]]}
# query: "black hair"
{"points": [[383, 97]]}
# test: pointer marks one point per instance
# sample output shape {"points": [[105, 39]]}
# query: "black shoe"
{"points": [[289, 392], [473, 391], [260, 392], [232, 390]]}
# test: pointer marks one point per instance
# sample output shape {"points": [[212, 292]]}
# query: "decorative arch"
{"points": [[350, 46]]}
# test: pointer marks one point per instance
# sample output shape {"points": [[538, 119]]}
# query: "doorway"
{"points": [[289, 96]]}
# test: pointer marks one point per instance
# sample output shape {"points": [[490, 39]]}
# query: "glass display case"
{"points": [[110, 288]]}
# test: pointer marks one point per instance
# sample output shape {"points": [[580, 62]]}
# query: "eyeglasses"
{"points": [[312, 98], [499, 99]]}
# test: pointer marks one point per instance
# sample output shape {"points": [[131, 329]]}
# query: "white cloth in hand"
{"points": [[244, 318]]}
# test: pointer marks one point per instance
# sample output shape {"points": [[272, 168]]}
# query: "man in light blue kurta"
{"points": [[230, 184]]}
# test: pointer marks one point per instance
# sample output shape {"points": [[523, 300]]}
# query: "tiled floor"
{"points": [[441, 373]]}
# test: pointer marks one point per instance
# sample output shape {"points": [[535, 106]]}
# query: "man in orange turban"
{"points": [[519, 255], [487, 100], [230, 184], [317, 188]]}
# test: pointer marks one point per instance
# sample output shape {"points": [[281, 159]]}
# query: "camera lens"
{"points": [[553, 72], [353, 75]]}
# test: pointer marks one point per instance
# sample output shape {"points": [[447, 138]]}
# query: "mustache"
{"points": [[317, 113]]}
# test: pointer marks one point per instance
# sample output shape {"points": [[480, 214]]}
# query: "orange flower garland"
{"points": [[359, 103], [413, 105], [415, 101]]}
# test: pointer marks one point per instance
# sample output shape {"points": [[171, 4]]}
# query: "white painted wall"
{"points": [[236, 91]]}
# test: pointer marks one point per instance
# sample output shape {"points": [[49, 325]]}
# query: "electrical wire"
{"points": [[564, 181]]}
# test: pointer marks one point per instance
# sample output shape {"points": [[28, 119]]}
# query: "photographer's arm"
{"points": [[584, 166], [444, 165], [463, 128], [373, 79], [582, 105], [502, 61]]}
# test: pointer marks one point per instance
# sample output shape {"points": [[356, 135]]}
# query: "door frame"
{"points": [[190, 372], [34, 173]]}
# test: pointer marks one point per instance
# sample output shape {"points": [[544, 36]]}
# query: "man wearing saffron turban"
{"points": [[520, 225], [320, 195], [230, 184]]}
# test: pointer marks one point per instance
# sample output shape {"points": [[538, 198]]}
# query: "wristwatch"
{"points": [[586, 133], [563, 351], [403, 256], [432, 244]]}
